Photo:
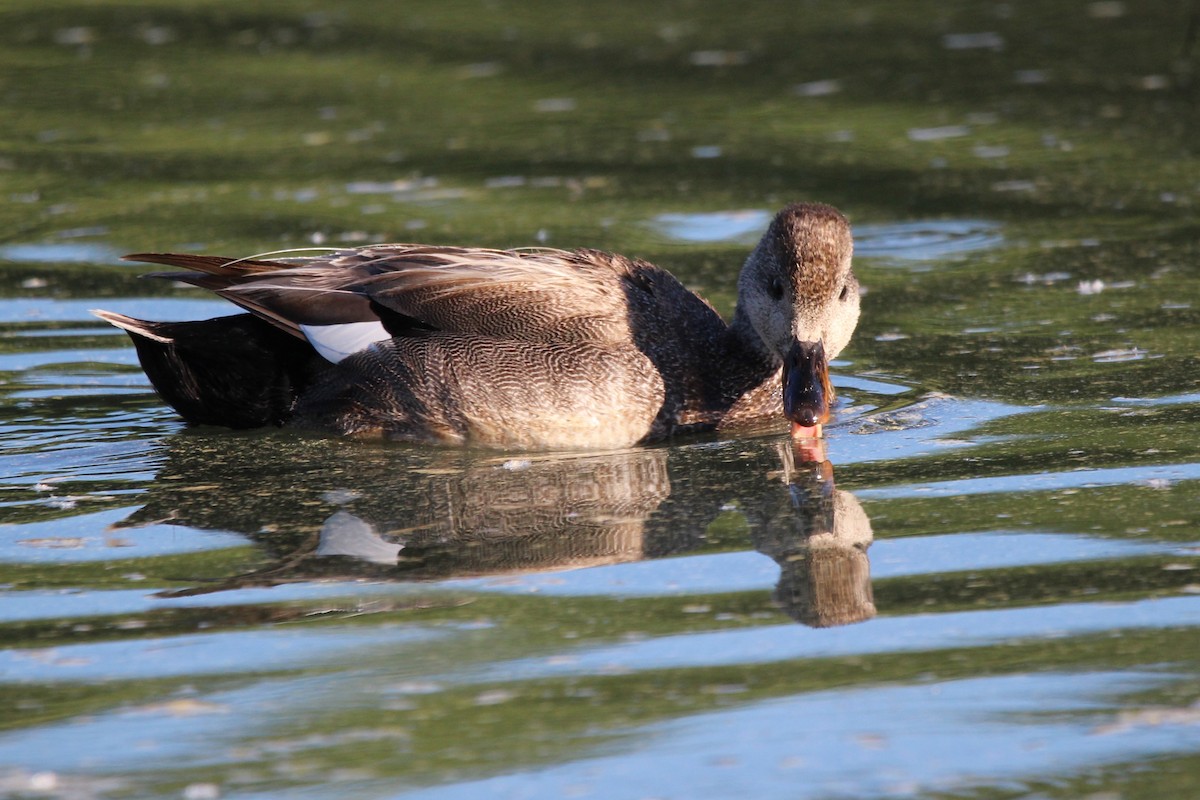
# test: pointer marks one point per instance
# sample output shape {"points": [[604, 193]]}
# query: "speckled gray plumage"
{"points": [[607, 352], [544, 348]]}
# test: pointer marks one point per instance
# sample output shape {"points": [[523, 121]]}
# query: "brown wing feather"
{"points": [[280, 292], [212, 265], [535, 295], [291, 299]]}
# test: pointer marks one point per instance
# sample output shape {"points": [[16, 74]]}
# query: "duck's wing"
{"points": [[531, 295], [292, 293], [348, 299]]}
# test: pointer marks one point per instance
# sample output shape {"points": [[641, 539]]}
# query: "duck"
{"points": [[537, 348]]}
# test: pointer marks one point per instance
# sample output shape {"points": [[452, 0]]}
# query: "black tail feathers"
{"points": [[236, 372]]}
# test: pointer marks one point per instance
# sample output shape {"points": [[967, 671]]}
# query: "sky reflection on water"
{"points": [[917, 739]]}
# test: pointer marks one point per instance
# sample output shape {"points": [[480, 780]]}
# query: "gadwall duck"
{"points": [[537, 348]]}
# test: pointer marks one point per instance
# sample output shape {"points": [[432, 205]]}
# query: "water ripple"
{"points": [[913, 240]]}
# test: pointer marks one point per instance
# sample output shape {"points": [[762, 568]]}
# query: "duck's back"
{"points": [[537, 348]]}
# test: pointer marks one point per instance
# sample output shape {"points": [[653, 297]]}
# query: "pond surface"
{"points": [[985, 586]]}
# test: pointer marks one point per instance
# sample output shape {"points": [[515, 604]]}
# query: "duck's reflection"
{"points": [[426, 515], [511, 517], [820, 543]]}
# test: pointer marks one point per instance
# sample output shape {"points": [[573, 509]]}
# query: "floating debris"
{"points": [[983, 117], [1070, 350], [938, 133], [201, 791], [494, 697], [554, 105], [818, 88], [1151, 717], [390, 187], [1106, 9], [1119, 355], [1014, 186], [156, 35], [505, 182], [973, 41], [1030, 278], [990, 151], [654, 135], [1097, 286], [75, 37], [55, 542], [1031, 77], [718, 58], [182, 707], [482, 69], [414, 687]]}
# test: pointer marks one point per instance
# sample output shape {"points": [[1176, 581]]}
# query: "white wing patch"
{"points": [[336, 342]]}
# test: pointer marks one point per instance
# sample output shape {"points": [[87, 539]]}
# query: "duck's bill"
{"points": [[807, 431], [807, 392]]}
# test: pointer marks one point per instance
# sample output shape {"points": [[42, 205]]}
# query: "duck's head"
{"points": [[798, 293]]}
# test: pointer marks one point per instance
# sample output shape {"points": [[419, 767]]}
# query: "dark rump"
{"points": [[236, 372]]}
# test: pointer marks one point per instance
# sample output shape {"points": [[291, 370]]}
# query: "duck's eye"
{"points": [[775, 288], [845, 292]]}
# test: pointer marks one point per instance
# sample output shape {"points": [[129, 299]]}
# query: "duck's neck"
{"points": [[743, 335], [756, 363]]}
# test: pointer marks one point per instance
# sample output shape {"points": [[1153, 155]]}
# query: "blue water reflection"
{"points": [[912, 241], [888, 741]]}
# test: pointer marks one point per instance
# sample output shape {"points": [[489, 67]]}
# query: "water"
{"points": [[987, 589]]}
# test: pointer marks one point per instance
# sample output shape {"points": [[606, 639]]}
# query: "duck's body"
{"points": [[515, 348]]}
